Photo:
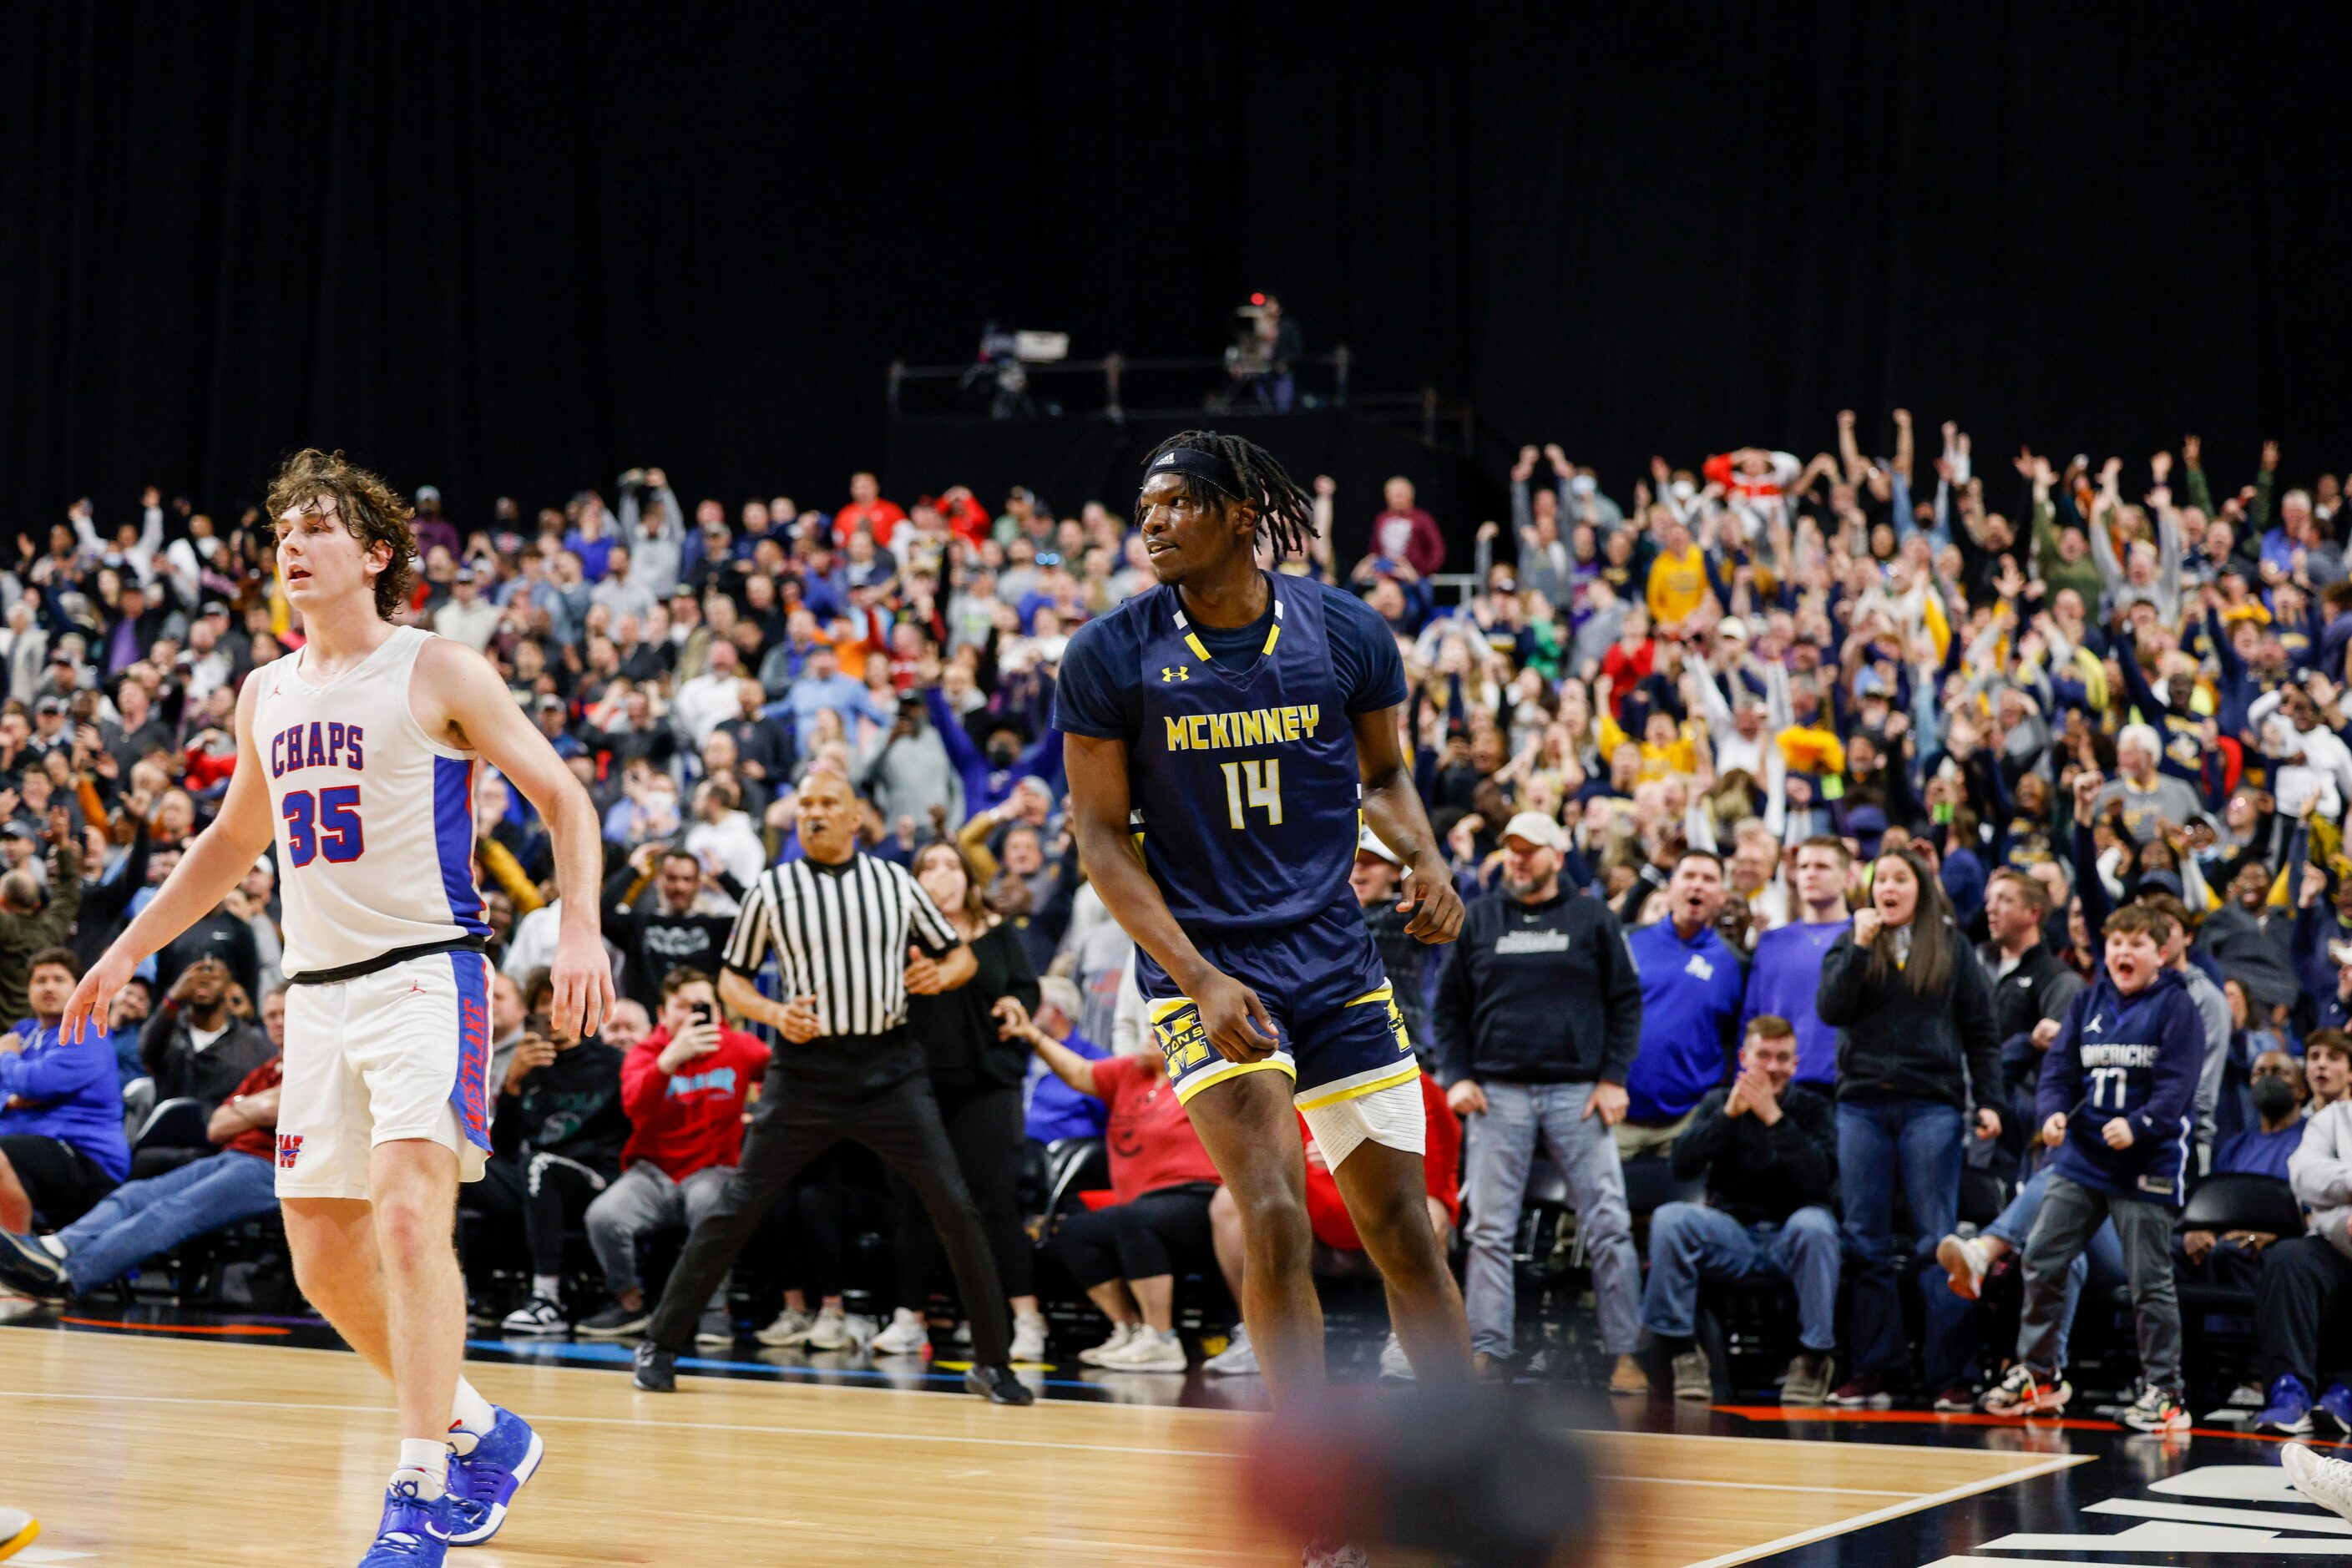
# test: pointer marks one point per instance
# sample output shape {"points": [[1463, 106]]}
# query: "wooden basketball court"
{"points": [[193, 1452]]}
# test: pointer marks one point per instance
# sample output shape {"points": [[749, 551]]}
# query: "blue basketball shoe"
{"points": [[484, 1477], [414, 1532]]}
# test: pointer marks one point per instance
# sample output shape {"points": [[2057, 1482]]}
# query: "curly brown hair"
{"points": [[374, 511]]}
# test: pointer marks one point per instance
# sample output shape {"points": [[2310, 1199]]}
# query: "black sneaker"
{"points": [[614, 1322], [717, 1327], [657, 1369], [538, 1317], [994, 1383], [31, 1267]]}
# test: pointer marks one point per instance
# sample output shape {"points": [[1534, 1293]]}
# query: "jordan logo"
{"points": [[2092, 1026]]}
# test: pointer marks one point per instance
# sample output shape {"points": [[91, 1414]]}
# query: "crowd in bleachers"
{"points": [[1856, 769]]}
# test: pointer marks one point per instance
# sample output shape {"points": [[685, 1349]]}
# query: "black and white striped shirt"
{"points": [[841, 934]]}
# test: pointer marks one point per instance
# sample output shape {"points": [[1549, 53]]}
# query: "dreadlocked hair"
{"points": [[1286, 514]]}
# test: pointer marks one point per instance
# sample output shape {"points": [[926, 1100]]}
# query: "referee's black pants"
{"points": [[791, 1129]]}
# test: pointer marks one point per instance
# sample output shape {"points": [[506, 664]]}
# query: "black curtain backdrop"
{"points": [[513, 250]]}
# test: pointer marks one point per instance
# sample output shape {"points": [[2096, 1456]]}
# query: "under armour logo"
{"points": [[1181, 672]]}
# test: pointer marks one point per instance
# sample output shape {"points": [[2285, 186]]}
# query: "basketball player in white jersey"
{"points": [[356, 755]]}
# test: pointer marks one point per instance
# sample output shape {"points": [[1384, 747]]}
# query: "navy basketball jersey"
{"points": [[1244, 777]]}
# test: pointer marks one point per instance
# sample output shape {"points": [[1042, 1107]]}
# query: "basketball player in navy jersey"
{"points": [[356, 756], [1224, 731]]}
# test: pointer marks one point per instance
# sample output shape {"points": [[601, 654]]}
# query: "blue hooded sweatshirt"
{"points": [[75, 1094], [2136, 1056], [1690, 1010]]}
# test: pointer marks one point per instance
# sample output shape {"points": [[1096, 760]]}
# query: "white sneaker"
{"points": [[1395, 1365], [1029, 1337], [1237, 1359], [2328, 1482], [538, 1316], [17, 1529], [829, 1332], [1333, 1555], [1965, 1265], [861, 1329], [1148, 1349], [790, 1328], [1119, 1334], [906, 1335]]}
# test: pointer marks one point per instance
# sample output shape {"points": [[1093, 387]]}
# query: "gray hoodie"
{"points": [[2321, 1173]]}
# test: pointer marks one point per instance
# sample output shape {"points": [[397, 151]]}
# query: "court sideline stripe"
{"points": [[1896, 1511]]}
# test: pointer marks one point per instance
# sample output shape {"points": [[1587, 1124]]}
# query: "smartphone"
{"points": [[702, 1011]]}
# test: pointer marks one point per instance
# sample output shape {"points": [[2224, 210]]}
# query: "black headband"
{"points": [[1200, 465]]}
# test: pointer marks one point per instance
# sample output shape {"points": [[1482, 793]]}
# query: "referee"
{"points": [[852, 936]]}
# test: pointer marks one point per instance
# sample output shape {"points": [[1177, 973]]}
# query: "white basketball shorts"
{"points": [[1394, 1117], [402, 1053]]}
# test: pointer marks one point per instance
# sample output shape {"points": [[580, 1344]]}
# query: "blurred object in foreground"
{"points": [[1468, 1473]]}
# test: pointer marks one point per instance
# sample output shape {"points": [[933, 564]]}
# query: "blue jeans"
{"points": [[139, 1219], [1690, 1243], [1502, 1147], [1913, 1144]]}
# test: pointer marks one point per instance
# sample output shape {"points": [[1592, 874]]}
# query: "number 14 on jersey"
{"points": [[1253, 785]]}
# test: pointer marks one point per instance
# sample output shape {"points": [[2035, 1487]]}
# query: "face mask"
{"points": [[1003, 756], [2273, 1096], [1682, 490]]}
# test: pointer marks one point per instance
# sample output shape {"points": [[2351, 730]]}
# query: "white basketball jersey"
{"points": [[374, 820]]}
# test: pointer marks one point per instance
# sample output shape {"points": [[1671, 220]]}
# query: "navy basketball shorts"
{"points": [[1340, 1037]]}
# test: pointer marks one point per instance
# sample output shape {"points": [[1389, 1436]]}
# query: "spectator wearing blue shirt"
{"points": [[822, 686], [989, 775], [1692, 988], [1052, 1109], [2278, 1093], [62, 1143], [1786, 974]]}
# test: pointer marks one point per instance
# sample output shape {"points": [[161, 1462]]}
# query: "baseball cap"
{"points": [[429, 492], [548, 699], [1732, 627], [1536, 828], [1369, 843], [50, 705], [15, 827], [214, 607]]}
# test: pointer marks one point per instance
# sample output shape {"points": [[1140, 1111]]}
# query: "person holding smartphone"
{"points": [[685, 1088]]}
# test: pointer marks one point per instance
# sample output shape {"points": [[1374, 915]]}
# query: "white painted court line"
{"points": [[1896, 1511], [1749, 1485]]}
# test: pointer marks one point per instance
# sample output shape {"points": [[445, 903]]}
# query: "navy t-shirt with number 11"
{"points": [[1241, 766]]}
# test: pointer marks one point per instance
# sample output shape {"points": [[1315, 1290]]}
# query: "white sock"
{"points": [[425, 1458], [547, 1287], [471, 1411], [55, 1246]]}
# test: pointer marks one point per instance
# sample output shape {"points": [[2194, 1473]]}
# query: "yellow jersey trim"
{"points": [[1194, 643], [1200, 1081], [1406, 1073], [1385, 993]]}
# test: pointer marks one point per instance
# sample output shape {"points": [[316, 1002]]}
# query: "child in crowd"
{"points": [[2116, 1105]]}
